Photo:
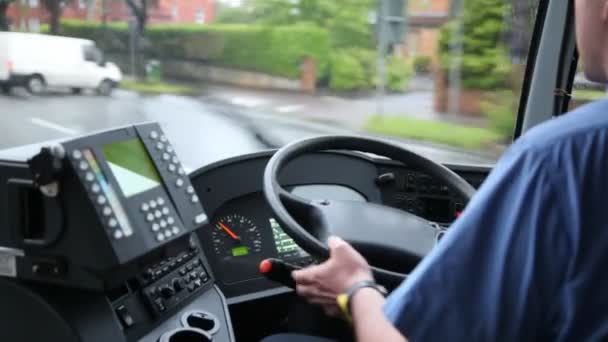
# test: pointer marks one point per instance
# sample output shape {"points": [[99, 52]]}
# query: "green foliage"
{"points": [[274, 50], [367, 60], [484, 62], [157, 88], [501, 111], [346, 73], [422, 64], [432, 131], [345, 20], [398, 74]]}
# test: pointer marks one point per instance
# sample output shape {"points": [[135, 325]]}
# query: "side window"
{"points": [[89, 53], [585, 91]]}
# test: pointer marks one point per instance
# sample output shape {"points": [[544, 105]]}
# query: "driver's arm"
{"points": [[369, 319], [345, 267]]}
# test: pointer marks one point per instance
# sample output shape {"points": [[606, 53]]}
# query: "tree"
{"points": [[346, 20], [3, 18], [478, 38], [139, 9], [55, 9]]}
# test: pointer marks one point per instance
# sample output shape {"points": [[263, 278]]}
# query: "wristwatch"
{"points": [[344, 300]]}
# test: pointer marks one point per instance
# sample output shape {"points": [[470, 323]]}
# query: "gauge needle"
{"points": [[229, 231]]}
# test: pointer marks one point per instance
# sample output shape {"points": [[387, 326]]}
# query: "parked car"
{"points": [[37, 61]]}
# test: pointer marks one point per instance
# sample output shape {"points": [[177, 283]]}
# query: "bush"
{"points": [[346, 73], [277, 50], [367, 60], [398, 74], [501, 111], [422, 64], [484, 63]]}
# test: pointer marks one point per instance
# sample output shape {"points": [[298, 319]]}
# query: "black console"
{"points": [[101, 229]]}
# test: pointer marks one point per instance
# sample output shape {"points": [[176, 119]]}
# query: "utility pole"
{"points": [[391, 24], [380, 62]]}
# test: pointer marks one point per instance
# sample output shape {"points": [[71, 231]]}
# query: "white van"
{"points": [[37, 61]]}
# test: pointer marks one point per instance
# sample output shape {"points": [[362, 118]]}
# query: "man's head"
{"points": [[592, 37]]}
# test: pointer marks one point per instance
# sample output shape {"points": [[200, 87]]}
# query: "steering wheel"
{"points": [[380, 233]]}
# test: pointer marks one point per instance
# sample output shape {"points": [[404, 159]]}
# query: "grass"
{"points": [[156, 88], [433, 131], [589, 94]]}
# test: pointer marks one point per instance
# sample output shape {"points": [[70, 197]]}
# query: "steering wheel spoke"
{"points": [[378, 232]]}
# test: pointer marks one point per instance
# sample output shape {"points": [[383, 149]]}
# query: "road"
{"points": [[199, 135], [202, 132]]}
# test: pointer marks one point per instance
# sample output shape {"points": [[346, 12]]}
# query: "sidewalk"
{"points": [[349, 113]]}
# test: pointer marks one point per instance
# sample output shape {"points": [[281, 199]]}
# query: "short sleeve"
{"points": [[494, 274]]}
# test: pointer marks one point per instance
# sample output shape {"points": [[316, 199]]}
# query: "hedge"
{"points": [[277, 50]]}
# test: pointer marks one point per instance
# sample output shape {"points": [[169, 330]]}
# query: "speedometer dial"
{"points": [[235, 236]]}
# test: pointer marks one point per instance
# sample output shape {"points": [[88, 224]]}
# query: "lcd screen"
{"points": [[286, 247], [131, 166]]}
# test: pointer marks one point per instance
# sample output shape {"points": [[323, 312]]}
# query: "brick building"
{"points": [[426, 17], [28, 15]]}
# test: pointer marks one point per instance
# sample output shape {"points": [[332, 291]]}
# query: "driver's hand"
{"points": [[321, 284]]}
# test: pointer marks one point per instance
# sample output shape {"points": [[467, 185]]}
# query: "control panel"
{"points": [[173, 280], [138, 186], [423, 195], [84, 212]]}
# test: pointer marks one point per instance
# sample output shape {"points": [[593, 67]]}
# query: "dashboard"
{"points": [[242, 230]]}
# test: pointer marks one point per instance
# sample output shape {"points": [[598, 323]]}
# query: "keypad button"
{"points": [[169, 148], [181, 171], [175, 160], [118, 234], [76, 154], [194, 199], [160, 201], [172, 168], [112, 223], [166, 156], [165, 211], [170, 220], [168, 233], [179, 182], [101, 200], [190, 189], [163, 223], [154, 135], [155, 227], [158, 214], [150, 217], [145, 207], [175, 230], [160, 146], [89, 177], [163, 138], [160, 237], [96, 189], [200, 218], [152, 204], [83, 165], [107, 211]]}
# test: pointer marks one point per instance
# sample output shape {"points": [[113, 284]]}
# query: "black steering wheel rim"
{"points": [[276, 196]]}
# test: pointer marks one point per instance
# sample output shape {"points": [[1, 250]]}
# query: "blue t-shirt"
{"points": [[528, 258]]}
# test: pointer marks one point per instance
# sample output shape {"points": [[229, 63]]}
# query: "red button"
{"points": [[265, 266]]}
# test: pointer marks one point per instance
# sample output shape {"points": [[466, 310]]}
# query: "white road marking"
{"points": [[290, 108], [47, 124], [249, 102]]}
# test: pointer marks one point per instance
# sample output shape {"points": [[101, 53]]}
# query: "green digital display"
{"points": [[132, 167], [240, 251]]}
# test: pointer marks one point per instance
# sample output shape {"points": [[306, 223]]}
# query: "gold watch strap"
{"points": [[344, 299]]}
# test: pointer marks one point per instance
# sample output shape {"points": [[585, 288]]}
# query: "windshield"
{"points": [[228, 77]]}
